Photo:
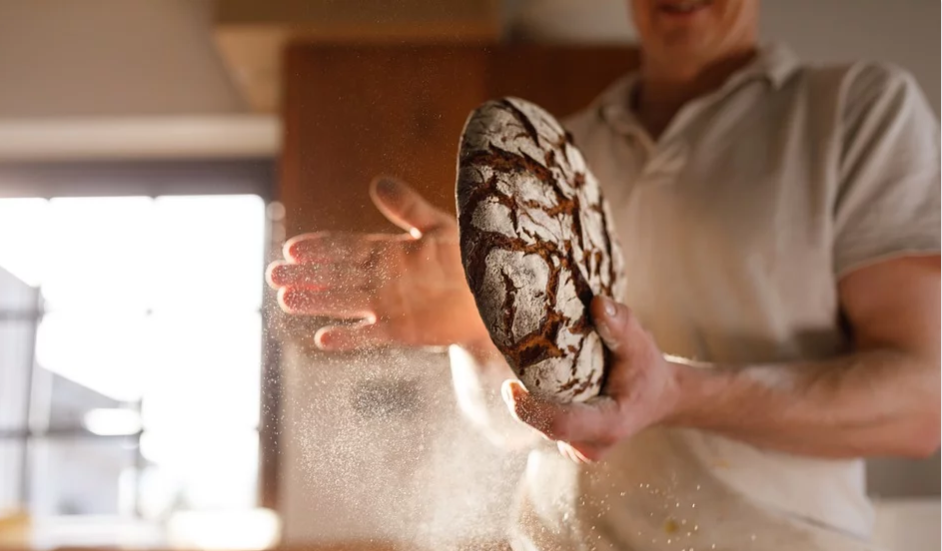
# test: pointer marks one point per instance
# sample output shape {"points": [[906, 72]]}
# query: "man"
{"points": [[780, 226]]}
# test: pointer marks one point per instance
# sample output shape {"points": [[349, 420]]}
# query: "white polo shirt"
{"points": [[736, 225]]}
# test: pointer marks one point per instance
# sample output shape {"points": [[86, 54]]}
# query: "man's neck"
{"points": [[666, 87]]}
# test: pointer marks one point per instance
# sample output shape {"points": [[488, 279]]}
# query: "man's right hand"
{"points": [[410, 288]]}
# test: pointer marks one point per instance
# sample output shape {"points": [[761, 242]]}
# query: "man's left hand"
{"points": [[641, 391]]}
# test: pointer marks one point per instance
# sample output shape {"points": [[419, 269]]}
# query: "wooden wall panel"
{"points": [[353, 112], [562, 79]]}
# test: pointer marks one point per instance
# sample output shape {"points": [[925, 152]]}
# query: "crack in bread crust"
{"points": [[537, 245]]}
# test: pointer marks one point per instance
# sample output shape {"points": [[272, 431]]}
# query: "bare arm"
{"points": [[883, 399]]}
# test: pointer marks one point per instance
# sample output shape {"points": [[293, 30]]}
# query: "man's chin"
{"points": [[684, 51]]}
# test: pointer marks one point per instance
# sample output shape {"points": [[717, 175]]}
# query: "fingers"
{"points": [[332, 274], [352, 337], [592, 421], [584, 431], [328, 247], [587, 453], [338, 247], [320, 276], [337, 304], [404, 207], [580, 452], [567, 451]]}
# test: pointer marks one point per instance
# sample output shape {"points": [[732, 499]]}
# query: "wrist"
{"points": [[694, 386]]}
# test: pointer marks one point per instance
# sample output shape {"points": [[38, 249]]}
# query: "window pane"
{"points": [[22, 251], [81, 477], [16, 347], [16, 295], [103, 353], [72, 405], [210, 252], [11, 473], [204, 371], [100, 253], [198, 470]]}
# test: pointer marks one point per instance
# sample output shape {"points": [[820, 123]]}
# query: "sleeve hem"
{"points": [[842, 269]]}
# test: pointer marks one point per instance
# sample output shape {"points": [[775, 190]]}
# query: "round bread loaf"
{"points": [[537, 244]]}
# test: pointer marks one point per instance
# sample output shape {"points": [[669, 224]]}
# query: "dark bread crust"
{"points": [[537, 245]]}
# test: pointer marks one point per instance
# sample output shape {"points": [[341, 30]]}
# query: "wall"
{"points": [[101, 58], [897, 31]]}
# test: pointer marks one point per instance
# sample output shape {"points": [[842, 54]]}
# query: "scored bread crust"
{"points": [[537, 244]]}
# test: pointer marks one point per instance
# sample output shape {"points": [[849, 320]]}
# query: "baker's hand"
{"points": [[409, 289], [640, 391]]}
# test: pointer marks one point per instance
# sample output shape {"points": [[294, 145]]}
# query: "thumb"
{"points": [[405, 208], [612, 321], [590, 421]]}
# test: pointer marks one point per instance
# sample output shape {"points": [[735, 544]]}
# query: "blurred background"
{"points": [[154, 154]]}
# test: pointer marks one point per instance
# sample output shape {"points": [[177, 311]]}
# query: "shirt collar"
{"points": [[774, 62]]}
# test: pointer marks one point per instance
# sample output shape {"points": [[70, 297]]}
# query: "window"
{"points": [[131, 340]]}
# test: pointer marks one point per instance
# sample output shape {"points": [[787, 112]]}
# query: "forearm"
{"points": [[876, 402], [478, 370]]}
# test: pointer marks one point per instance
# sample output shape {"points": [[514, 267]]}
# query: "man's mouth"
{"points": [[682, 7]]}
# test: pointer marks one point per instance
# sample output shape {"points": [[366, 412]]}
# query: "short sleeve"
{"points": [[887, 204]]}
